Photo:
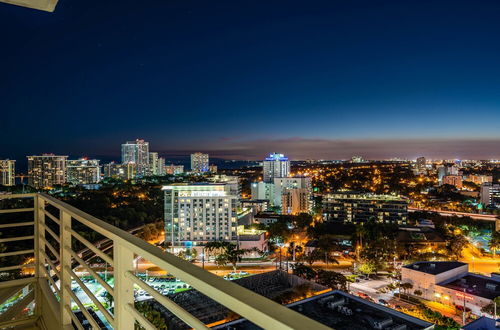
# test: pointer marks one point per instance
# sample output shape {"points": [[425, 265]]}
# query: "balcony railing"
{"points": [[56, 232]]}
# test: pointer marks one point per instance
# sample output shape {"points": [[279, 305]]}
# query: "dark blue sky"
{"points": [[314, 79]]}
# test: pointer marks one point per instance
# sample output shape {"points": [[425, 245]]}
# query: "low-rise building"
{"points": [[356, 207], [424, 239], [256, 241], [343, 311], [450, 283], [266, 218], [257, 205]]}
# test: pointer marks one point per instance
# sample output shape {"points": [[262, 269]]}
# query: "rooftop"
{"points": [[477, 285], [434, 267], [365, 196], [272, 285], [482, 323], [342, 311], [419, 236]]}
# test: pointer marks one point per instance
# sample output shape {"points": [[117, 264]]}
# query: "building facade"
{"points": [[450, 283], [490, 194], [480, 179], [262, 191], [153, 163], [296, 201], [83, 171], [137, 152], [359, 208], [120, 171], [453, 180], [421, 165], [199, 162], [7, 172], [199, 213], [174, 169], [47, 170], [276, 166], [283, 185]]}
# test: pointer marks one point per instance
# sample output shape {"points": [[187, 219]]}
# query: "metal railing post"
{"points": [[65, 267], [124, 287], [38, 218]]}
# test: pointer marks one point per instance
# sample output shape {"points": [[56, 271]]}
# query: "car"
{"points": [[382, 301]]}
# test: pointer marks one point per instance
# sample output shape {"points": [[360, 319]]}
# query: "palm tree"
{"points": [[227, 253], [494, 243]]}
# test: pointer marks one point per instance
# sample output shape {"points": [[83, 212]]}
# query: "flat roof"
{"points": [[477, 285], [343, 311], [434, 267], [482, 323]]}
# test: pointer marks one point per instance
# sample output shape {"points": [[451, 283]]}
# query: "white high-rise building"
{"points": [[46, 170], [276, 166], [199, 213], [137, 152], [199, 162], [7, 172], [83, 171]]}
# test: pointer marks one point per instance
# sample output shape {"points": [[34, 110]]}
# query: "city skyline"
{"points": [[329, 80]]}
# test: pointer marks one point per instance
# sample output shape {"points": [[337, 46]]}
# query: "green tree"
{"points": [[303, 271], [367, 268], [490, 308], [312, 257], [332, 280], [151, 315], [405, 287], [225, 253], [457, 244]]}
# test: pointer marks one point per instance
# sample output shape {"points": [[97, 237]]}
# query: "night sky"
{"points": [[239, 79]]}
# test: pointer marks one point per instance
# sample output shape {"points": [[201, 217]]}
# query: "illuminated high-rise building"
{"points": [[199, 213], [7, 172], [421, 165], [120, 171], [137, 152], [296, 201], [160, 168], [83, 171], [153, 163], [276, 166], [199, 162], [46, 170]]}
